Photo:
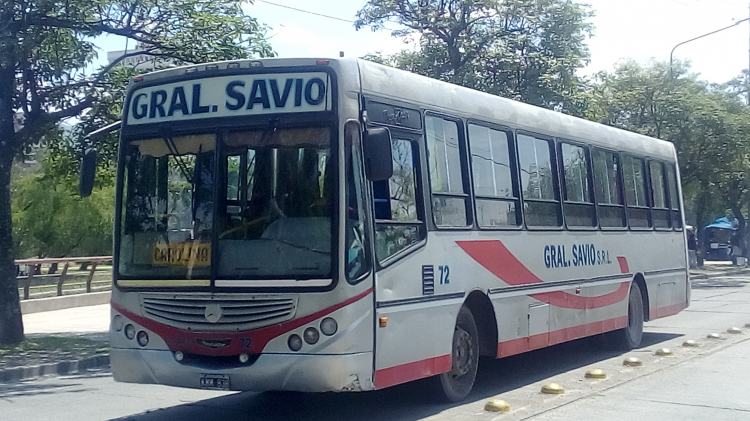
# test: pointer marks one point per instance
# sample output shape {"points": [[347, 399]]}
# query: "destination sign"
{"points": [[229, 96]]}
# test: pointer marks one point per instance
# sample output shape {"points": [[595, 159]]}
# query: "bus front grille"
{"points": [[218, 312]]}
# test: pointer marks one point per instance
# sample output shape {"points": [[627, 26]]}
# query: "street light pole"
{"points": [[671, 53]]}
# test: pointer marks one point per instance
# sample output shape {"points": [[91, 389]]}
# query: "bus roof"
{"points": [[431, 94], [455, 100]]}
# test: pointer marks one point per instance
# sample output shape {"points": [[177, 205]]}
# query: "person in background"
{"points": [[692, 243]]}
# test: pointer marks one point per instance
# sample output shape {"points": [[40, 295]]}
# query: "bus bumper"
{"points": [[293, 372]]}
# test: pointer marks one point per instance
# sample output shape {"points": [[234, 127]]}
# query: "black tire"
{"points": [[457, 383], [630, 337]]}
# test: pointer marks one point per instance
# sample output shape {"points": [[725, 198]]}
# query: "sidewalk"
{"points": [[710, 387], [90, 322], [714, 269]]}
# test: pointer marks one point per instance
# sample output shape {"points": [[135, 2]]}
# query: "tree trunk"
{"points": [[11, 323]]}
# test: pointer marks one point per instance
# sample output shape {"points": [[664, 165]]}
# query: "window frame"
{"points": [[652, 197], [671, 167], [647, 192], [350, 153], [589, 181], [555, 181], [467, 196], [412, 136], [620, 183], [515, 177]]}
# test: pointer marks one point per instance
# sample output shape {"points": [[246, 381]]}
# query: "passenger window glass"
{"points": [[496, 197], [660, 213], [537, 178], [639, 214], [635, 182], [449, 199], [608, 188], [657, 185], [538, 182], [398, 224], [576, 173], [674, 198], [579, 207]]}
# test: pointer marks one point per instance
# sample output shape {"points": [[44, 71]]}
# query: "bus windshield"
{"points": [[255, 205]]}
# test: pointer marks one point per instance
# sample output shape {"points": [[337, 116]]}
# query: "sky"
{"points": [[624, 29]]}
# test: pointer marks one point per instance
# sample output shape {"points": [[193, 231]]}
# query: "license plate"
{"points": [[714, 246], [215, 381]]}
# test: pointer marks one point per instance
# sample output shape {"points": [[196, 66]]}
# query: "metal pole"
{"points": [[671, 53]]}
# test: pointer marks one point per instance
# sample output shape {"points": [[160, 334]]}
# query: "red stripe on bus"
{"points": [[496, 258], [403, 373], [577, 302], [521, 345], [187, 341], [623, 261], [660, 312]]}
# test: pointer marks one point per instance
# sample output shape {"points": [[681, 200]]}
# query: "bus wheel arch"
{"points": [[484, 317], [641, 281]]}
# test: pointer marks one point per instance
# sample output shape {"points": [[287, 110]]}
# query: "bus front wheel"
{"points": [[630, 337], [457, 383]]}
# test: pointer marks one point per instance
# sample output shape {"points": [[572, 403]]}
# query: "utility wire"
{"points": [[314, 13]]}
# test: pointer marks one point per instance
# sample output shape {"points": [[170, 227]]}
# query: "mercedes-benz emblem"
{"points": [[213, 313]]}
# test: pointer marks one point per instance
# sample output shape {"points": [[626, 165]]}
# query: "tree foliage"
{"points": [[46, 47], [708, 124], [528, 50], [50, 219]]}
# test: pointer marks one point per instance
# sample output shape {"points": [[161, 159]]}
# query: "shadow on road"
{"points": [[405, 402]]}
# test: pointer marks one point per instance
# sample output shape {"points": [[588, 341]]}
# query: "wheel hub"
{"points": [[463, 353]]}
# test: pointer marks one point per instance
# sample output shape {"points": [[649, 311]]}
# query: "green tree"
{"points": [[528, 50], [709, 126], [45, 49], [50, 219]]}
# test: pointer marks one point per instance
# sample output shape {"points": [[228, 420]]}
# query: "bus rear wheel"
{"points": [[630, 336], [457, 383]]}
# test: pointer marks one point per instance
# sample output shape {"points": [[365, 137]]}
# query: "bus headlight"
{"points": [[244, 358], [329, 326], [179, 356], [129, 331], [117, 322], [295, 343], [142, 338], [311, 335]]}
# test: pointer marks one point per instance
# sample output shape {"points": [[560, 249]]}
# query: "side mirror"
{"points": [[88, 172], [378, 155]]}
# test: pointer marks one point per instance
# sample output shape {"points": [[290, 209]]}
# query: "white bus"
{"points": [[337, 225]]}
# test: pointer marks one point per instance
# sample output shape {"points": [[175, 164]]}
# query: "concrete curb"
{"points": [[716, 275], [61, 368], [67, 301]]}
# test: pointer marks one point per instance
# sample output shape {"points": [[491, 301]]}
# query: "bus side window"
{"points": [[579, 201], [450, 201], [608, 189], [674, 197], [660, 211], [495, 182], [539, 182], [634, 171], [398, 222]]}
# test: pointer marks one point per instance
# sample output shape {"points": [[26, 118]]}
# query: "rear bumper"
{"points": [[293, 372]]}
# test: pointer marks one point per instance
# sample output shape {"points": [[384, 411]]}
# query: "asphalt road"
{"points": [[696, 383]]}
